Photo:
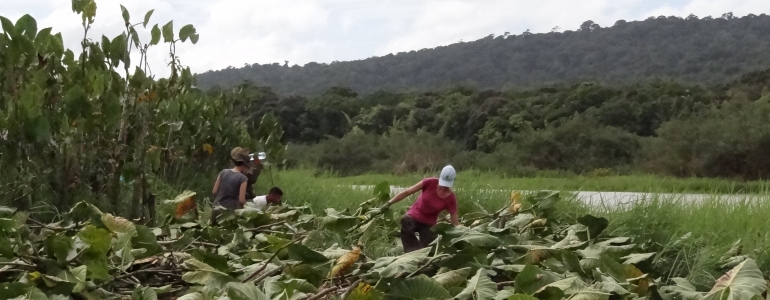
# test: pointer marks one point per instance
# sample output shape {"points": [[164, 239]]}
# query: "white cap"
{"points": [[447, 178]]}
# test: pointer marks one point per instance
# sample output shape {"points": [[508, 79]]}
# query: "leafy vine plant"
{"points": [[97, 125]]}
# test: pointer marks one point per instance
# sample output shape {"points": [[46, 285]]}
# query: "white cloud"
{"points": [[236, 32]]}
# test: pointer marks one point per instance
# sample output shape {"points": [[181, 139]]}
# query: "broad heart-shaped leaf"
{"points": [[98, 242], [479, 287], [59, 247], [382, 191], [244, 291], [521, 297], [477, 239], [531, 279], [28, 25], [155, 35], [145, 239], [420, 287], [205, 275], [168, 32], [536, 254], [595, 225], [76, 276], [36, 294], [453, 278], [195, 296], [741, 283], [144, 293], [637, 257], [305, 255], [406, 263], [212, 259], [291, 287], [683, 290], [118, 224]]}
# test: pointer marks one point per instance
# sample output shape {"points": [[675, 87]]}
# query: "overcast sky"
{"points": [[238, 32]]}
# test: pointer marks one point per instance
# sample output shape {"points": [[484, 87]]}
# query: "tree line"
{"points": [[692, 49], [660, 126]]}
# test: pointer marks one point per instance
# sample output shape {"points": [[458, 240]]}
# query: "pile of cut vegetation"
{"points": [[518, 252]]}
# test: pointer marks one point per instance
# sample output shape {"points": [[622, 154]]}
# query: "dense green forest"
{"points": [[693, 50], [662, 127]]}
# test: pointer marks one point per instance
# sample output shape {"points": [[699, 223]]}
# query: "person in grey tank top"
{"points": [[230, 186]]}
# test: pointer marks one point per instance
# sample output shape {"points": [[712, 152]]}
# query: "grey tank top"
{"points": [[229, 187]]}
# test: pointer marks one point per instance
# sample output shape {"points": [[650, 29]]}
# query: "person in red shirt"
{"points": [[436, 195]]}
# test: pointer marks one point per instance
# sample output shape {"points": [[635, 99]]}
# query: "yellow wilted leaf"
{"points": [[185, 206], [539, 222], [345, 262], [33, 276], [515, 202], [208, 148]]}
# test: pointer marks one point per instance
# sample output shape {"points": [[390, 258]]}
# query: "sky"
{"points": [[238, 32]]}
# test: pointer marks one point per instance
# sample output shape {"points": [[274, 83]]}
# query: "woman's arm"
{"points": [[455, 220], [406, 193], [242, 194], [216, 185]]}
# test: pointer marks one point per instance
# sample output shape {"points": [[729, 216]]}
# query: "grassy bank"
{"points": [[549, 181]]}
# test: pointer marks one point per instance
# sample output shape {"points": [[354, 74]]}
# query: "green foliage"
{"points": [[268, 262]]}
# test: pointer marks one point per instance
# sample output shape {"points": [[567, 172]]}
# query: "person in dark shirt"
{"points": [[252, 173], [230, 187]]}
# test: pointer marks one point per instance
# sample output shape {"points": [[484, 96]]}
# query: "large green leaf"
{"points": [[118, 224], [59, 247], [155, 35], [147, 17], [418, 288], [144, 293], [188, 31], [531, 279], [479, 287], [477, 239], [595, 224], [406, 263], [244, 291], [305, 255], [636, 258], [382, 191], [290, 287], [365, 292], [204, 274], [199, 296], [742, 282], [126, 15], [453, 278]]}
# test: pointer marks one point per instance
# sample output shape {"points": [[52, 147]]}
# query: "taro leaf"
{"points": [[479, 287], [595, 225], [305, 255], [505, 293], [198, 296], [536, 254], [76, 276], [637, 257], [420, 287], [683, 289], [212, 259], [406, 263], [735, 250], [479, 240], [532, 279], [306, 272], [742, 282], [244, 291], [365, 292], [6, 211], [587, 293], [9, 290], [59, 246], [336, 221], [9, 225], [36, 294], [205, 275], [145, 239], [453, 278], [118, 224], [98, 241], [570, 260], [550, 293], [611, 287], [521, 297], [382, 191], [144, 293], [292, 287], [520, 221], [469, 257]]}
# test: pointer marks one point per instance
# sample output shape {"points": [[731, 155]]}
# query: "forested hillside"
{"points": [[662, 127], [692, 49]]}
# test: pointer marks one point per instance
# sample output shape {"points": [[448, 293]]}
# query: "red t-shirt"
{"points": [[428, 205]]}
